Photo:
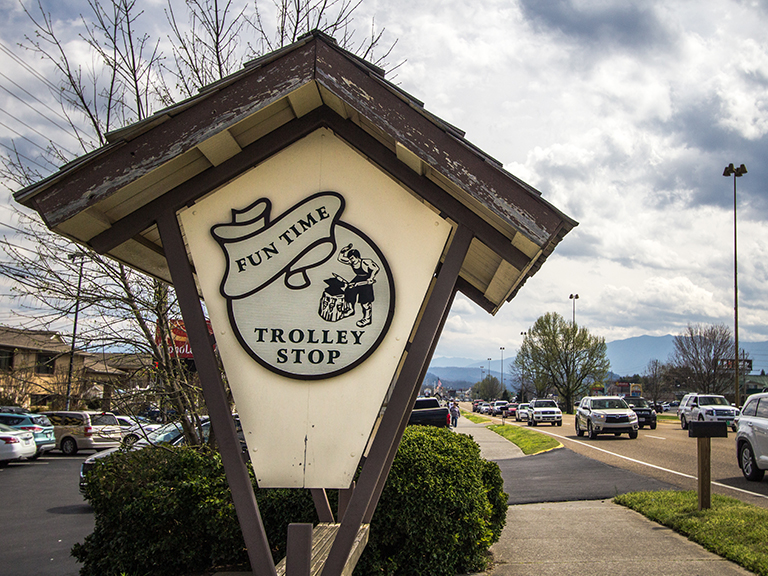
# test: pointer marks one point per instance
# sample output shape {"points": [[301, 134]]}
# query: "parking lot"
{"points": [[43, 515]]}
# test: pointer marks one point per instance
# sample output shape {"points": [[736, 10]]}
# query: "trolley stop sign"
{"points": [[321, 328], [314, 267]]}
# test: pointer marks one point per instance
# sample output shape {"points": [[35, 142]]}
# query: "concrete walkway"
{"points": [[589, 537]]}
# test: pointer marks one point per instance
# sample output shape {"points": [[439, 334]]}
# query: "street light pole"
{"points": [[502, 368], [736, 173], [73, 257], [574, 297]]}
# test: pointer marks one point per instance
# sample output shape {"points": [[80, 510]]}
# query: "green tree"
{"points": [[562, 355], [489, 388]]}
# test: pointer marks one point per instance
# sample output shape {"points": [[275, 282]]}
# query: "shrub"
{"points": [[168, 511], [441, 509]]}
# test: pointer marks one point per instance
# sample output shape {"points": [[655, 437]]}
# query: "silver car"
{"points": [[605, 415], [752, 437]]}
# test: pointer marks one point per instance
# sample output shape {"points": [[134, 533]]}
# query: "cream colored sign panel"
{"points": [[314, 266]]}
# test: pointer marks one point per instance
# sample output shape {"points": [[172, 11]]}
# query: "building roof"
{"points": [[109, 199], [38, 340]]}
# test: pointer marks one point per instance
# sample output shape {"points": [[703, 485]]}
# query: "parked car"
{"points": [[522, 411], [476, 405], [752, 437], [706, 408], [133, 428], [543, 410], [39, 425], [510, 411], [498, 407], [485, 408], [84, 430], [428, 412], [15, 444], [170, 434], [605, 415], [646, 415]]}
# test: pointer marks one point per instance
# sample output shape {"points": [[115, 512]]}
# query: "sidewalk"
{"points": [[593, 537]]}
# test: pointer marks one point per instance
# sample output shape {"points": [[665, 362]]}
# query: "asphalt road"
{"points": [[42, 515], [667, 455]]}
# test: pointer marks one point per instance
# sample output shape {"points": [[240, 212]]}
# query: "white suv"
{"points": [[706, 408], [540, 411], [752, 437], [605, 415]]}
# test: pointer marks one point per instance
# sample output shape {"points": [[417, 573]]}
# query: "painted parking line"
{"points": [[656, 437]]}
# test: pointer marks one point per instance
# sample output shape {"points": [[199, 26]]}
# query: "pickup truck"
{"points": [[428, 412]]}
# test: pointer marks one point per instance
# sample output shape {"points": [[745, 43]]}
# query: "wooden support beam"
{"points": [[389, 433], [216, 400], [322, 506], [298, 550]]}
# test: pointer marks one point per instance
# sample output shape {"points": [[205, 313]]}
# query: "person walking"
{"points": [[454, 414]]}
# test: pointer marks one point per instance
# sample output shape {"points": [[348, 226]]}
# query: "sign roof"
{"points": [[108, 199]]}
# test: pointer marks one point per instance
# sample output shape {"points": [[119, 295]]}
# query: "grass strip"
{"points": [[529, 441], [472, 417], [667, 417], [731, 529]]}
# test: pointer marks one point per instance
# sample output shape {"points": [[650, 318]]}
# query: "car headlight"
{"points": [[632, 416], [709, 412], [600, 417]]}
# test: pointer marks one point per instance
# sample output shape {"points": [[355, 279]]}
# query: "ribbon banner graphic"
{"points": [[259, 251]]}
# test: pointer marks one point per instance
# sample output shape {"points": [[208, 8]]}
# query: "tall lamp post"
{"points": [[502, 368], [574, 297], [74, 257], [736, 173]]}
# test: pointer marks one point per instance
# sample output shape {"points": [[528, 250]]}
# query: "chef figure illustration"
{"points": [[360, 288]]}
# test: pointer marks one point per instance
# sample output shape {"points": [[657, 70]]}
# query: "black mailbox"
{"points": [[707, 430]]}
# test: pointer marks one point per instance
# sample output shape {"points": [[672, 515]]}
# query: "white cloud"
{"points": [[623, 114]]}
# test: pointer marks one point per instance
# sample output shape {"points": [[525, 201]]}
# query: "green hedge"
{"points": [[162, 511]]}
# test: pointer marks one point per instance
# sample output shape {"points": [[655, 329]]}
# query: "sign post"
{"points": [[704, 432]]}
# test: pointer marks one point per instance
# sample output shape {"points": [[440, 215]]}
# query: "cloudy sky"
{"points": [[623, 114]]}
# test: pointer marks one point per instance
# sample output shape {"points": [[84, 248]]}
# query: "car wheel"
{"points": [[579, 431], [130, 439], [683, 423], [633, 434], [653, 426], [641, 426], [748, 465], [35, 456], [591, 431], [554, 423], [559, 422], [69, 446], [533, 422], [701, 418], [735, 428], [529, 423]]}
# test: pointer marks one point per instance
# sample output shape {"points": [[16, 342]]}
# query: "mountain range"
{"points": [[628, 357]]}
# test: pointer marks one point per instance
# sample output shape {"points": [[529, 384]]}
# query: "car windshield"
{"points": [[166, 433], [546, 404], [608, 403], [712, 401], [637, 402], [5, 428]]}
